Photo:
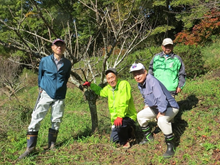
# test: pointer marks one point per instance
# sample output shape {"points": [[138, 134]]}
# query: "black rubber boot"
{"points": [[31, 144], [52, 138], [169, 139], [132, 135], [148, 136]]}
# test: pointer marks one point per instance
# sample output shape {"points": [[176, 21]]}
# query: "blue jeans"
{"points": [[123, 133]]}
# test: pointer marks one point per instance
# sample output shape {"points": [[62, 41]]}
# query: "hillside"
{"points": [[196, 128]]}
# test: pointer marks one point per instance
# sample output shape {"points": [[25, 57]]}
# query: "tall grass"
{"points": [[211, 55]]}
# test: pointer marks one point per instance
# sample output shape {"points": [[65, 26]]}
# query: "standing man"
{"points": [[54, 72], [159, 104], [168, 68], [121, 106]]}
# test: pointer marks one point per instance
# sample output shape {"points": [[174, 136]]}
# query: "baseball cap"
{"points": [[58, 40], [136, 67], [167, 41], [113, 70]]}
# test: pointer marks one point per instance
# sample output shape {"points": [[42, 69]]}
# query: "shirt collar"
{"points": [[54, 58], [144, 84], [167, 55]]}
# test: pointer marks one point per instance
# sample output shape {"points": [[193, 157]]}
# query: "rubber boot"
{"points": [[31, 144], [169, 139], [52, 138], [132, 135], [148, 136]]}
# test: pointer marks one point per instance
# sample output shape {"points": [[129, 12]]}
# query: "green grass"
{"points": [[196, 128], [211, 55]]}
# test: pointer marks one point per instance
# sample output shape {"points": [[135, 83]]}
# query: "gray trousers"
{"points": [[44, 102], [163, 122]]}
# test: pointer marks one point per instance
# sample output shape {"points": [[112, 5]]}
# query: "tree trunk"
{"points": [[91, 97]]}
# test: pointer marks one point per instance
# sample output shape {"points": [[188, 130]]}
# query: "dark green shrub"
{"points": [[192, 58]]}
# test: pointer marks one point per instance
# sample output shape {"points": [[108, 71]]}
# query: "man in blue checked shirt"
{"points": [[159, 104]]}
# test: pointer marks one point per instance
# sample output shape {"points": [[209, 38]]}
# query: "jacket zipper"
{"points": [[113, 91], [56, 73]]}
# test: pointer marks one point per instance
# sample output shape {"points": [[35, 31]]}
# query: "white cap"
{"points": [[136, 67], [167, 41]]}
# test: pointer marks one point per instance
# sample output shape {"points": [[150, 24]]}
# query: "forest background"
{"points": [[99, 35]]}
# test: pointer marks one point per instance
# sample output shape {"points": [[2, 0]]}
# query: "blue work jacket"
{"points": [[156, 95], [51, 80]]}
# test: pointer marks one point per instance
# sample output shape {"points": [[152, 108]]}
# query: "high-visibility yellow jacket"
{"points": [[120, 100]]}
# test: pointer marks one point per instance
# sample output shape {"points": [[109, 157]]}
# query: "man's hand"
{"points": [[87, 84], [40, 90], [118, 122], [160, 114], [178, 90]]}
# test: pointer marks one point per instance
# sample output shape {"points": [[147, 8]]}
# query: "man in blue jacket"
{"points": [[54, 72], [159, 104]]}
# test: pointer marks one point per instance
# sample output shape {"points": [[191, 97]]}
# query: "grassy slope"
{"points": [[196, 128]]}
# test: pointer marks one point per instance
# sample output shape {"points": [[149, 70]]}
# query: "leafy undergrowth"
{"points": [[196, 129]]}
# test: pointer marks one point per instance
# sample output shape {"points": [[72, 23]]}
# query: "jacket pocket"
{"points": [[150, 98]]}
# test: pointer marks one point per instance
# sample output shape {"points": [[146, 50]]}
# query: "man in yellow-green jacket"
{"points": [[121, 106]]}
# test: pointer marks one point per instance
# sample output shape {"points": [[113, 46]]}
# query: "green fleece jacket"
{"points": [[170, 71], [120, 100]]}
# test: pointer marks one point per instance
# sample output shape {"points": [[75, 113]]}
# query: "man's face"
{"points": [[140, 75], [167, 49], [58, 48], [111, 79]]}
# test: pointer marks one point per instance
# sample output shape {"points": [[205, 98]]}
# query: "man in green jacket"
{"points": [[121, 106], [168, 68]]}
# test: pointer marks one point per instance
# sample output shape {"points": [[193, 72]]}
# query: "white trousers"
{"points": [[41, 109], [163, 122]]}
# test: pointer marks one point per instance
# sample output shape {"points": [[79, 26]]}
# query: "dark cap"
{"points": [[58, 40], [113, 70]]}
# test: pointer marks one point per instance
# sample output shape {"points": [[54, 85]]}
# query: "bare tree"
{"points": [[9, 78], [117, 28]]}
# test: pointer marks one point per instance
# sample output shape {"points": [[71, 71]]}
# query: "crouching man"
{"points": [[121, 107], [159, 104]]}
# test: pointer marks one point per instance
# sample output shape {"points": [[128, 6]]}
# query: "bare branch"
{"points": [[131, 47], [76, 83], [20, 63], [95, 10]]}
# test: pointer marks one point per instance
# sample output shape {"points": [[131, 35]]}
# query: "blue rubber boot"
{"points": [[31, 144], [52, 138]]}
